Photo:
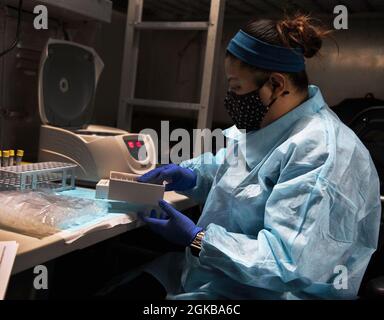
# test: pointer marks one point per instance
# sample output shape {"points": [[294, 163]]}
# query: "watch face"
{"points": [[196, 244]]}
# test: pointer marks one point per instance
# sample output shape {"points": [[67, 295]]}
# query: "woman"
{"points": [[300, 218]]}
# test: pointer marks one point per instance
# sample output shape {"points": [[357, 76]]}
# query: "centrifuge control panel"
{"points": [[136, 148]]}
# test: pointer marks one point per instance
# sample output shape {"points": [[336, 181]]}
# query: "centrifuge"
{"points": [[68, 77]]}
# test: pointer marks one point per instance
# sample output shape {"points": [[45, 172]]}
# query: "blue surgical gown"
{"points": [[291, 212]]}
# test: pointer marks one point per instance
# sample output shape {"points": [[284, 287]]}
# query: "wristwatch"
{"points": [[196, 244]]}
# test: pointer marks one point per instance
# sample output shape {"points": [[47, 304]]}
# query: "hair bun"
{"points": [[301, 31]]}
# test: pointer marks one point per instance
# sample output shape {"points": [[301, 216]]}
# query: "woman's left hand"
{"points": [[172, 225]]}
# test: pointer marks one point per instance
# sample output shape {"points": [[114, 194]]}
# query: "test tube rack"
{"points": [[58, 176]]}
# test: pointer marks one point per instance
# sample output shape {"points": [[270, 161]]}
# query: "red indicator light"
{"points": [[138, 144], [131, 145]]}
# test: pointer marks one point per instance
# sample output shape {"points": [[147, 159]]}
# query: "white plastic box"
{"points": [[124, 187]]}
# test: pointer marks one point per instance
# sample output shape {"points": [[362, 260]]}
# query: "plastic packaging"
{"points": [[40, 214]]}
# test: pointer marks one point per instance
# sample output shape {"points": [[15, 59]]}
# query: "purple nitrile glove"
{"points": [[172, 225], [178, 178]]}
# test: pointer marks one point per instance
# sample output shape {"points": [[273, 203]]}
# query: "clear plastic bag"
{"points": [[40, 214]]}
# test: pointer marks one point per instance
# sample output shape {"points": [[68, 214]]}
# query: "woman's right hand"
{"points": [[178, 178]]}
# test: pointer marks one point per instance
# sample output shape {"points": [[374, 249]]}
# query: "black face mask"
{"points": [[247, 110]]}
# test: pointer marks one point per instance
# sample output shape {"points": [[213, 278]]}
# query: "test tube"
{"points": [[11, 157], [19, 157], [5, 158]]}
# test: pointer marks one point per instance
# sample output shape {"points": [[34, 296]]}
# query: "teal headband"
{"points": [[264, 55]]}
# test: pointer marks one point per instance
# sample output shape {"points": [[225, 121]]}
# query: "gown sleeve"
{"points": [[205, 166], [310, 227]]}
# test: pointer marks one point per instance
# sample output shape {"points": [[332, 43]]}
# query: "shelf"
{"points": [[163, 104]]}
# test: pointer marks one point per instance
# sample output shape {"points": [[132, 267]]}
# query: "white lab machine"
{"points": [[68, 77]]}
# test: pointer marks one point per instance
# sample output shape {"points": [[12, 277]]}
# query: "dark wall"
{"points": [[171, 64], [19, 116]]}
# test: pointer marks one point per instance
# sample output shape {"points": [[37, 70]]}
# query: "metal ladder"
{"points": [[130, 60]]}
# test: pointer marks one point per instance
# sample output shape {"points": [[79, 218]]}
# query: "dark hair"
{"points": [[292, 32]]}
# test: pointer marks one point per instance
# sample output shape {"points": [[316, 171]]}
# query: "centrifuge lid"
{"points": [[68, 78]]}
